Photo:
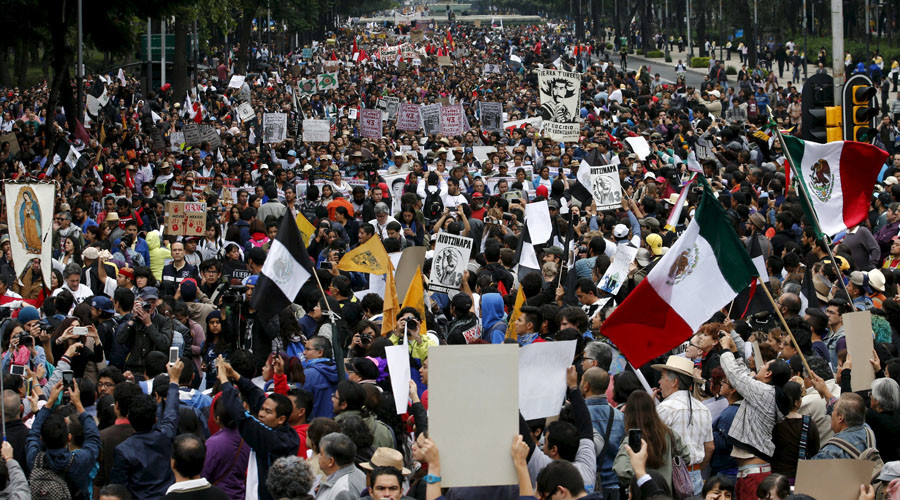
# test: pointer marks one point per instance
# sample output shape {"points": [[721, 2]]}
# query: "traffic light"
{"points": [[834, 122], [860, 110], [816, 99]]}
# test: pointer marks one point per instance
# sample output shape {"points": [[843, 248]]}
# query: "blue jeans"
{"points": [[697, 480]]}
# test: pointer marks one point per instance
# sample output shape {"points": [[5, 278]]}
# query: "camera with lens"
{"points": [[146, 306], [412, 323], [233, 294], [26, 340], [365, 338]]}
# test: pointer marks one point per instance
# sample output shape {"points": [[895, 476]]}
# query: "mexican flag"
{"points": [[705, 269], [838, 178]]}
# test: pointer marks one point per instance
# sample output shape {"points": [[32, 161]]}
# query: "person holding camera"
{"points": [[409, 323], [146, 331]]}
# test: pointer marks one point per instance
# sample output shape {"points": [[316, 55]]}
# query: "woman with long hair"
{"points": [[88, 345], [217, 342], [211, 242], [71, 252], [662, 442], [796, 437]]}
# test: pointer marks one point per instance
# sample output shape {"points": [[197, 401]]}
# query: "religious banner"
{"points": [[451, 257], [431, 118], [185, 218], [452, 120], [274, 127], [327, 81], [29, 212], [606, 187], [491, 116], [370, 124], [316, 130], [560, 93], [408, 117]]}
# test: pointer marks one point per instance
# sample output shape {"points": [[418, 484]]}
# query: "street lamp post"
{"points": [[688, 23]]}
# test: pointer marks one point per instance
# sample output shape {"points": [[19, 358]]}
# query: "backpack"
{"points": [[434, 205], [870, 453], [47, 484]]}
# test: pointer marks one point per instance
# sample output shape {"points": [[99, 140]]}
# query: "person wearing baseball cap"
{"points": [[859, 287], [147, 331]]}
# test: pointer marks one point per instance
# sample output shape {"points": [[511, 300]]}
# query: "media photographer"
{"points": [[146, 331]]}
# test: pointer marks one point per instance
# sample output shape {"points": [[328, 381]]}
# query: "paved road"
{"points": [[666, 70]]}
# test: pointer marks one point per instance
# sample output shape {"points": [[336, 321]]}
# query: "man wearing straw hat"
{"points": [[685, 414], [386, 475]]}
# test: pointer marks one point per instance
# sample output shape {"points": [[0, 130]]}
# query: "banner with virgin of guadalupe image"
{"points": [[29, 210]]}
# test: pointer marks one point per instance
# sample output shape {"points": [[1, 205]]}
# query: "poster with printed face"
{"points": [[370, 124], [431, 118], [606, 187], [560, 93], [451, 256], [209, 134], [316, 130], [408, 117], [185, 218], [176, 140], [274, 127], [492, 116], [29, 210], [452, 120], [617, 272], [245, 112], [392, 106]]}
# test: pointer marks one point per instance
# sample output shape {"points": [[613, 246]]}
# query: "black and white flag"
{"points": [[286, 269]]}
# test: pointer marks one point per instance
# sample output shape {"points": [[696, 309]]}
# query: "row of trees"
{"points": [[42, 34]]}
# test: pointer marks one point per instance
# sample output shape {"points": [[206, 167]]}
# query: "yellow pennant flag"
{"points": [[415, 297], [307, 230], [517, 310], [370, 257], [391, 304], [102, 134]]}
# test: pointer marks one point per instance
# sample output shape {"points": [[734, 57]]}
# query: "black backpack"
{"points": [[47, 484], [434, 205]]}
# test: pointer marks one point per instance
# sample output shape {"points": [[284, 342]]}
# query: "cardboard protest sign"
{"points": [[834, 479], [617, 272], [606, 187], [860, 343], [306, 53], [209, 134], [237, 81], [191, 134], [176, 140], [408, 117], [245, 111], [560, 94], [452, 120], [457, 373], [411, 259], [316, 130], [10, 138], [407, 51], [431, 118], [451, 256], [370, 124], [274, 127], [390, 54], [542, 377], [444, 61], [185, 218], [491, 116], [416, 35], [29, 212]]}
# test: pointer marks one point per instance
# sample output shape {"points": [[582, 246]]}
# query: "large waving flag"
{"points": [[415, 295], [701, 274], [286, 269], [838, 178], [391, 303]]}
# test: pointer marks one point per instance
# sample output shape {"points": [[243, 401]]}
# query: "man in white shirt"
{"points": [[453, 198], [73, 284], [685, 414]]}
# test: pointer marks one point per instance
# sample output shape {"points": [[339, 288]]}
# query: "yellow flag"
{"points": [[391, 304], [370, 257], [517, 310], [415, 297], [307, 230], [102, 134]]}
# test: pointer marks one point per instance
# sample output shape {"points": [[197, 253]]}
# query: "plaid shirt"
{"points": [[691, 420], [758, 414]]}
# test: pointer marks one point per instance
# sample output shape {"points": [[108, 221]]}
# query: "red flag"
{"points": [[537, 48], [334, 56], [355, 49], [81, 133]]}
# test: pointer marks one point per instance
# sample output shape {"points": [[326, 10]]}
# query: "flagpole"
{"points": [[783, 323], [812, 210], [335, 335]]}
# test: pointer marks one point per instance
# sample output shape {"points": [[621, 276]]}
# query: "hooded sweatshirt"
{"points": [[321, 381], [158, 254], [493, 319]]}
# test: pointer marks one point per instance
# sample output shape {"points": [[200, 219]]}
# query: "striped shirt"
{"points": [[692, 421]]}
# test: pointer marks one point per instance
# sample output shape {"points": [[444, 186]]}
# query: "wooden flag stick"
{"points": [[783, 323]]}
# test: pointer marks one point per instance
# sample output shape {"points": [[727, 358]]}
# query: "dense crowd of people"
{"points": [[139, 367]]}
